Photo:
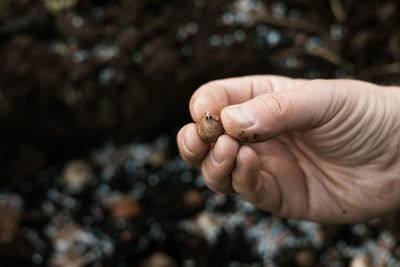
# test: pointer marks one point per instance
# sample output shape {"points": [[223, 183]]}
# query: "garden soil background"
{"points": [[76, 74]]}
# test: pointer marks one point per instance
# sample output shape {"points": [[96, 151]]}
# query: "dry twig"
{"points": [[392, 68], [321, 52], [298, 24], [337, 10]]}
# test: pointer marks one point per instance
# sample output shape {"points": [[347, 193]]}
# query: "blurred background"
{"points": [[92, 94]]}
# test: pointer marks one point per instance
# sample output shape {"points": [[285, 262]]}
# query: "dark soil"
{"points": [[125, 70]]}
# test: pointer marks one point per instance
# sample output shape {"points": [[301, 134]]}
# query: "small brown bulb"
{"points": [[209, 128]]}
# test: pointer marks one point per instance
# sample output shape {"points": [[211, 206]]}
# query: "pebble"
{"points": [[76, 175], [193, 198], [158, 259], [63, 239], [360, 261], [305, 257], [125, 207], [205, 224]]}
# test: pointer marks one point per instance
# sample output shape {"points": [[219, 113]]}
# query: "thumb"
{"points": [[269, 115]]}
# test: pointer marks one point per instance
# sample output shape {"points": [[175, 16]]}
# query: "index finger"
{"points": [[216, 95]]}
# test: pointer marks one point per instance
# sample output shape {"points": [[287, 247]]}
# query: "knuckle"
{"points": [[210, 181], [216, 181], [321, 85], [209, 86], [189, 156], [276, 104], [316, 83]]}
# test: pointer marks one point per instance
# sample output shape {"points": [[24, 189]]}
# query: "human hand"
{"points": [[321, 150]]}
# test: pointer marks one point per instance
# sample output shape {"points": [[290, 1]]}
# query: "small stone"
{"points": [[204, 224], [158, 259], [157, 158], [360, 261], [66, 233], [64, 241], [126, 235], [193, 198], [56, 6], [209, 128], [73, 260], [76, 175], [125, 207], [305, 257]]}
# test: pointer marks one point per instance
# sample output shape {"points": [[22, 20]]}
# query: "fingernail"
{"points": [[242, 116]]}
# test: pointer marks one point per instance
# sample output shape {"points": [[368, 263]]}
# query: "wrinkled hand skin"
{"points": [[320, 150]]}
